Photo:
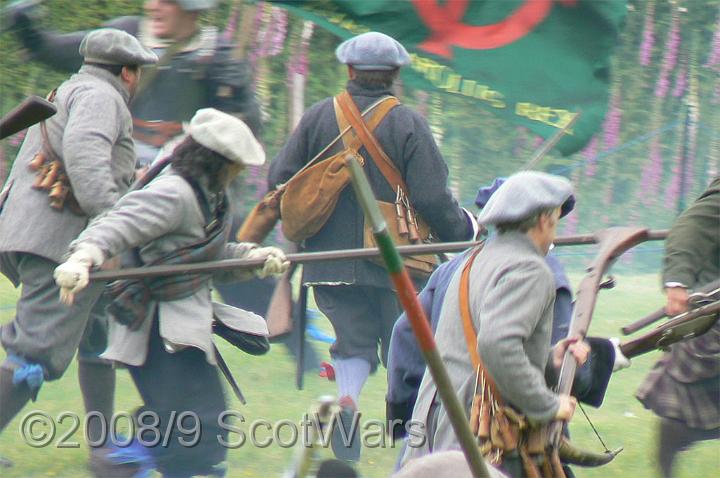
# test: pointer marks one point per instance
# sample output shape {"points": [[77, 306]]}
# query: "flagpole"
{"points": [[419, 322]]}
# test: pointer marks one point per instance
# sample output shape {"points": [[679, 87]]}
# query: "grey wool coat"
{"points": [[406, 138], [512, 293], [92, 133], [161, 218]]}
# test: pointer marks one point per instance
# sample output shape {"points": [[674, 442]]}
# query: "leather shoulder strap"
{"points": [[469, 328], [372, 119], [47, 147], [386, 166]]}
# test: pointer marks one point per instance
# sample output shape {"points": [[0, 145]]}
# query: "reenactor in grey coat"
{"points": [[86, 152], [511, 299], [167, 343]]}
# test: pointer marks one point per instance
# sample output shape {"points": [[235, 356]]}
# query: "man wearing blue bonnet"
{"points": [[356, 295]]}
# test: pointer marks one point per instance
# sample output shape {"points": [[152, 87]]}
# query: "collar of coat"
{"points": [[518, 240], [108, 77], [356, 89]]}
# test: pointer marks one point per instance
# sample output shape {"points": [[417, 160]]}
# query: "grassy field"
{"points": [[268, 383]]}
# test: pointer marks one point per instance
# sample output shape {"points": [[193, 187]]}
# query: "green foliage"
{"points": [[477, 145]]}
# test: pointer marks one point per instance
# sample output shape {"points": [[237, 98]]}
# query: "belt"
{"points": [[155, 133]]}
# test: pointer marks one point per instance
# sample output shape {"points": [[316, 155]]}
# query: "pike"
{"points": [[416, 315], [298, 258], [309, 257]]}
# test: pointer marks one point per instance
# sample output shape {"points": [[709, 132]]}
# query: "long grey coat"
{"points": [[161, 218], [92, 133], [512, 292]]}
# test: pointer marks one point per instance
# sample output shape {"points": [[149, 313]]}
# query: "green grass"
{"points": [[268, 383]]}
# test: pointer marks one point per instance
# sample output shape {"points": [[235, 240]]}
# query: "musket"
{"points": [[685, 326], [660, 313], [613, 243], [32, 110], [416, 316]]}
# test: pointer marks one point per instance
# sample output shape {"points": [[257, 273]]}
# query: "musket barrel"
{"points": [[660, 313]]}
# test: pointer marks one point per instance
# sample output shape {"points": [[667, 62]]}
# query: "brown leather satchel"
{"points": [[306, 200], [499, 428], [404, 225]]}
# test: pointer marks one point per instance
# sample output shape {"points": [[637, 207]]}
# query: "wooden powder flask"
{"points": [[401, 219], [37, 161], [51, 176], [58, 192]]}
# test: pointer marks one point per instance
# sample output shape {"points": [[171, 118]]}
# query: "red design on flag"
{"points": [[447, 29]]}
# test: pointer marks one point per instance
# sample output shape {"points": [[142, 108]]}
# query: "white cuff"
{"points": [[621, 361], [473, 223], [672, 285]]}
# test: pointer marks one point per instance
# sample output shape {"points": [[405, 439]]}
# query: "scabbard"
{"points": [[222, 365], [302, 326]]}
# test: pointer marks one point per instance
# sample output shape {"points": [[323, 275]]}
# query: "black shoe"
{"points": [[346, 434], [6, 462]]}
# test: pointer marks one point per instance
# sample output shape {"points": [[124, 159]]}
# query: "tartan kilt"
{"points": [[697, 403]]}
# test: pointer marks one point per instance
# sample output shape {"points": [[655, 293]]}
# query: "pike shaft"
{"points": [[418, 321]]}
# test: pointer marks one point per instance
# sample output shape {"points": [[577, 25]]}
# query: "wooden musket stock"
{"points": [[613, 243], [31, 111]]}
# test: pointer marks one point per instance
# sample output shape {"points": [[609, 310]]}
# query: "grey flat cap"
{"points": [[525, 193], [110, 46], [226, 135], [196, 5], [372, 51]]}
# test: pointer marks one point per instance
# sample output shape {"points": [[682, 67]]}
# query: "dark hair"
{"points": [[376, 78], [114, 69], [193, 160]]}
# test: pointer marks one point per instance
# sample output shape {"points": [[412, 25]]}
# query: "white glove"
{"points": [[73, 275], [275, 261], [621, 361]]}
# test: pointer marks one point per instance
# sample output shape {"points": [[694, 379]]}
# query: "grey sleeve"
{"points": [[510, 312], [88, 139], [235, 250], [140, 217]]}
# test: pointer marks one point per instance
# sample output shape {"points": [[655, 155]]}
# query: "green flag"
{"points": [[535, 62]]}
